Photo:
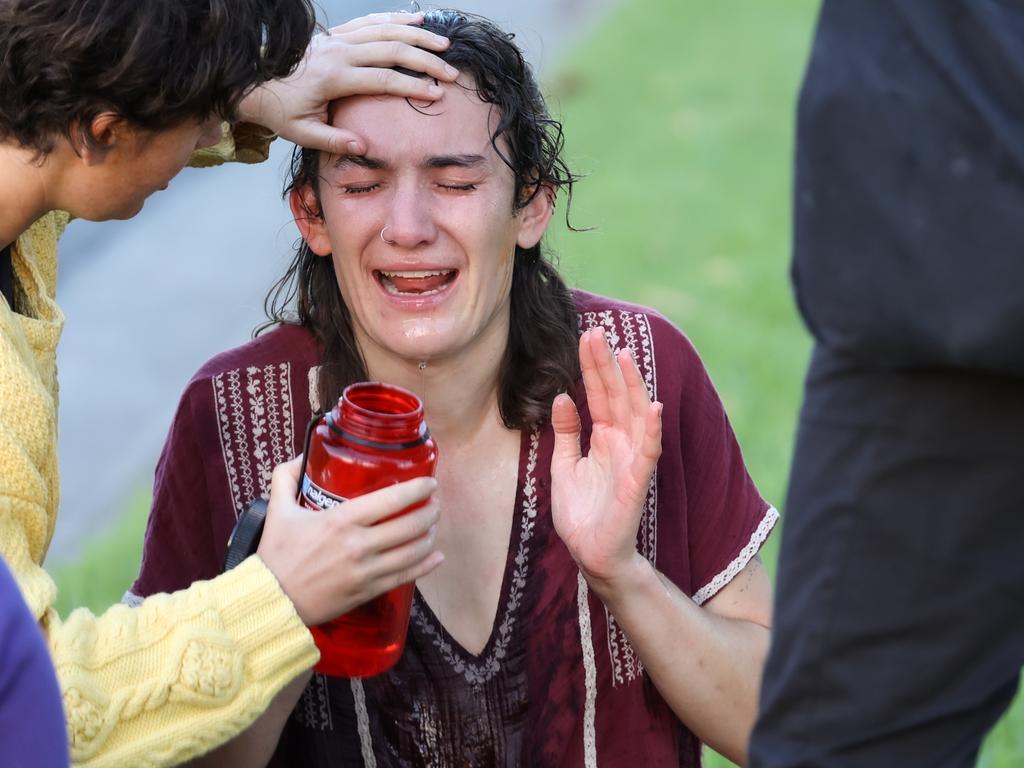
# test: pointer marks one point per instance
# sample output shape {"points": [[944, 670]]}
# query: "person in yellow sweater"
{"points": [[103, 103]]}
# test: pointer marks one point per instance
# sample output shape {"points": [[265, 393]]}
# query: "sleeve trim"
{"points": [[757, 538]]}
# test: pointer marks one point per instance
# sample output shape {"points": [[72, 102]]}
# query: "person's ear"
{"points": [[535, 216], [308, 218], [103, 133]]}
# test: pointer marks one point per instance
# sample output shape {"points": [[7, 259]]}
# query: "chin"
{"points": [[123, 214], [416, 350]]}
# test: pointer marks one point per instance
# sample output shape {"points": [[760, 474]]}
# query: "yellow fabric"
{"points": [[168, 680]]}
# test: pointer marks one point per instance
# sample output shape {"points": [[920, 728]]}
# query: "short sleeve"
{"points": [[180, 546], [704, 518], [727, 520]]}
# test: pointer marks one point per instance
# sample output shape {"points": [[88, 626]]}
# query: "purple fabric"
{"points": [[525, 700], [32, 730]]}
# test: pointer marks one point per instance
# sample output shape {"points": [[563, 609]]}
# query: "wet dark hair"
{"points": [[156, 63], [541, 357]]}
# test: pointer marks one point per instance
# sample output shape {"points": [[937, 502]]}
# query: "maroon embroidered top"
{"points": [[558, 683]]}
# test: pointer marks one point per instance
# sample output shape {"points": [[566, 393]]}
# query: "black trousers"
{"points": [[899, 611]]}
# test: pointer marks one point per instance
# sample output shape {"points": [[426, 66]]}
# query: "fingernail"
{"points": [[451, 71], [436, 91], [354, 147]]}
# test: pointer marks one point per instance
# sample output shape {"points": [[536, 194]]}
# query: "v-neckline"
{"points": [[478, 667]]}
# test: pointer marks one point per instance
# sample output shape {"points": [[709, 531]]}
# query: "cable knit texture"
{"points": [[180, 674]]}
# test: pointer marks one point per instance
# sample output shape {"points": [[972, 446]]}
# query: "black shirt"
{"points": [[909, 191], [7, 276]]}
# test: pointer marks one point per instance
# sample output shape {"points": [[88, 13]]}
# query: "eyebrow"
{"points": [[456, 161], [437, 161], [370, 163]]}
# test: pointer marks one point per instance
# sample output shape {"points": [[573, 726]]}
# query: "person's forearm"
{"points": [[183, 671], [707, 668], [254, 747]]}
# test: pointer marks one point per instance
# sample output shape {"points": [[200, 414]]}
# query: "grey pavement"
{"points": [[149, 300]]}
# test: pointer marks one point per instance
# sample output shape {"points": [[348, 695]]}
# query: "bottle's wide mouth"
{"points": [[377, 399], [379, 415]]}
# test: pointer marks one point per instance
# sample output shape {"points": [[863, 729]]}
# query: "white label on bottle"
{"points": [[316, 497]]}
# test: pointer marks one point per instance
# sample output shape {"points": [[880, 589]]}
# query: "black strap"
{"points": [[7, 276], [245, 538]]}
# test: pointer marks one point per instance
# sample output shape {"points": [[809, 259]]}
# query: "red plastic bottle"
{"points": [[374, 437]]}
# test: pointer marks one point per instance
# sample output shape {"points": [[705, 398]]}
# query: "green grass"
{"points": [[681, 114], [108, 566]]}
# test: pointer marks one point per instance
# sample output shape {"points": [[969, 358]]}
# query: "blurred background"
{"points": [[680, 115]]}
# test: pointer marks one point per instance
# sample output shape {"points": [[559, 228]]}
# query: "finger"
{"points": [[615, 386], [406, 557], [374, 507], [391, 53], [650, 450], [414, 36], [374, 80], [400, 530], [597, 397], [412, 573], [636, 391], [371, 19], [314, 134], [284, 481], [565, 420]]}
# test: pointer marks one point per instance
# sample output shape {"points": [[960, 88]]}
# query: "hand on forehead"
{"points": [[398, 129]]}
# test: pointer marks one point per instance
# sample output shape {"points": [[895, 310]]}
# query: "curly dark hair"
{"points": [[541, 358], [157, 63]]}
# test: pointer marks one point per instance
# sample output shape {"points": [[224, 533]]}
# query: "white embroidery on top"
{"points": [[314, 707], [589, 674], [738, 563], [313, 375], [256, 408]]}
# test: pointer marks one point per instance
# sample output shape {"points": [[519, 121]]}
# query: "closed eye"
{"points": [[458, 187], [358, 189]]}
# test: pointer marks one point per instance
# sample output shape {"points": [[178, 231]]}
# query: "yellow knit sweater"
{"points": [[163, 682]]}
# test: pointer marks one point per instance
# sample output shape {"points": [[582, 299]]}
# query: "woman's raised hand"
{"points": [[597, 500]]}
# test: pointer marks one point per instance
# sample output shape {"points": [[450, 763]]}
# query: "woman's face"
{"points": [[118, 178], [423, 229]]}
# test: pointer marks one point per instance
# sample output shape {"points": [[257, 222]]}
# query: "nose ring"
{"points": [[389, 242]]}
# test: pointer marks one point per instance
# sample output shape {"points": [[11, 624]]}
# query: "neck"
{"points": [[459, 393], [23, 190]]}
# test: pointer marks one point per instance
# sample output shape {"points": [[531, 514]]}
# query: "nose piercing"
{"points": [[389, 242]]}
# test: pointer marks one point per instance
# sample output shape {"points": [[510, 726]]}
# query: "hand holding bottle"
{"points": [[329, 562]]}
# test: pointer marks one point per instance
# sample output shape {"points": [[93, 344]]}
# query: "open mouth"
{"points": [[415, 282]]}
